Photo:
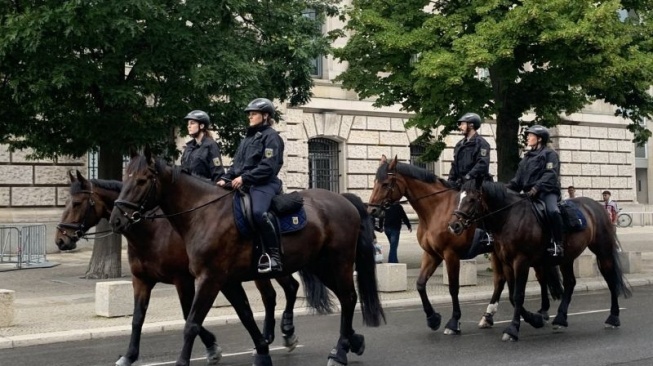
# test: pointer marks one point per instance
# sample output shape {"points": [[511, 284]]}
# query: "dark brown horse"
{"points": [[521, 243], [338, 236], [433, 199], [157, 254]]}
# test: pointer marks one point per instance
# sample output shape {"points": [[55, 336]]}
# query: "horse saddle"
{"points": [[287, 211], [573, 219]]}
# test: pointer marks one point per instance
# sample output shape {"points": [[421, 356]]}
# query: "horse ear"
{"points": [[393, 164], [133, 152], [148, 154], [80, 177], [384, 159], [71, 176]]}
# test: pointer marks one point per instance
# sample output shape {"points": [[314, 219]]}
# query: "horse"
{"points": [[521, 242], [433, 199], [157, 254], [337, 236]]}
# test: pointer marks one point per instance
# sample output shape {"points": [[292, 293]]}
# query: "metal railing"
{"points": [[23, 245]]}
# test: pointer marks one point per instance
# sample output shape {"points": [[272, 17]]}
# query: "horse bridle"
{"points": [[139, 209], [79, 229], [387, 202]]}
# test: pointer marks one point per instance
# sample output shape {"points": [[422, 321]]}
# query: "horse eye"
{"points": [[141, 181], [384, 185]]}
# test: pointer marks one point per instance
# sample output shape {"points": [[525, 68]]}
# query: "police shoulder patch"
{"points": [[216, 162], [549, 165], [483, 152], [269, 153]]}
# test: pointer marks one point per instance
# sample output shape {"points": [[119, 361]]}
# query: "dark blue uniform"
{"points": [[203, 159], [471, 159], [258, 160]]}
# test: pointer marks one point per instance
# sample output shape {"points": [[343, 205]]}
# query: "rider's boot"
{"points": [[271, 258], [482, 243], [557, 245]]}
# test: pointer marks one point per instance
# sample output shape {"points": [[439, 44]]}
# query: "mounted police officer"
{"points": [[201, 155], [538, 176], [256, 164], [471, 161]]}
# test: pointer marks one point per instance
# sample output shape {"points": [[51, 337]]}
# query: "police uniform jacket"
{"points": [[203, 159], [259, 157], [471, 159], [540, 169]]}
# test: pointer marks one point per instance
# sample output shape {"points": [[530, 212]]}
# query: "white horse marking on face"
{"points": [[463, 194]]}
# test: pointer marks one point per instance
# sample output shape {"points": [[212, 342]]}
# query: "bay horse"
{"points": [[521, 243], [157, 254], [338, 235], [433, 199]]}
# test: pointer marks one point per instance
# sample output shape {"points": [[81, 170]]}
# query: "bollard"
{"points": [[467, 276], [585, 265], [631, 262], [392, 277], [114, 298], [7, 313]]}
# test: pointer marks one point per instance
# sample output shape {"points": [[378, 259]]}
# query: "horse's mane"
{"points": [[109, 185], [412, 171], [496, 194]]}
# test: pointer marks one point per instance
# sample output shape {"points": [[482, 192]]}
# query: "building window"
{"points": [[92, 165], [316, 63], [416, 150], [641, 151], [323, 164]]}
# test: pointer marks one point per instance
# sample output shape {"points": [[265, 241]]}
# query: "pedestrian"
{"points": [[471, 160], [391, 224], [256, 165], [571, 191], [610, 207], [201, 155], [538, 176]]}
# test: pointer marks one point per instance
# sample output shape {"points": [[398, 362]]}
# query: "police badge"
{"points": [[216, 162], [295, 220], [549, 165], [269, 153], [483, 152]]}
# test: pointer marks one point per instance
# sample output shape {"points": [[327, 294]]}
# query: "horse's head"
{"points": [[471, 207], [389, 187], [140, 191], [83, 211]]}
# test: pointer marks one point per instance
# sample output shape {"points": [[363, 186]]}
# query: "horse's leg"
{"points": [[269, 297], [206, 291], [290, 287], [487, 320], [142, 292], [545, 304], [569, 282], [453, 271], [185, 290], [238, 299], [519, 279], [612, 275], [429, 265]]}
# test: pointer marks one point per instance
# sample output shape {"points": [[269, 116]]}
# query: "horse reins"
{"points": [[386, 201], [79, 230]]}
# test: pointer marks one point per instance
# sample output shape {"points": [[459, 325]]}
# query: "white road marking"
{"points": [[570, 314], [249, 352]]}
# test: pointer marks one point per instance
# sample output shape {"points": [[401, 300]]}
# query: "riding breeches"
{"points": [[261, 199]]}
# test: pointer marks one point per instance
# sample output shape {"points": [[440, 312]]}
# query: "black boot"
{"points": [[481, 243], [557, 245], [271, 258]]}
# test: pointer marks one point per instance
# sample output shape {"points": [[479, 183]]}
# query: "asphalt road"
{"points": [[405, 340]]}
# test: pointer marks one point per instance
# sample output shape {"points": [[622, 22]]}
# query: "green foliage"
{"points": [[501, 58], [82, 74]]}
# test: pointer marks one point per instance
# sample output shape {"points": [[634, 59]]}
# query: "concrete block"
{"points": [[392, 277], [631, 262], [585, 266], [301, 292], [467, 275], [114, 298], [7, 313]]}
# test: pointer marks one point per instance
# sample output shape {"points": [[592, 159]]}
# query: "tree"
{"points": [[440, 59], [111, 75]]}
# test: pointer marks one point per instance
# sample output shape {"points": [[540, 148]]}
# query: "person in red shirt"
{"points": [[610, 206]]}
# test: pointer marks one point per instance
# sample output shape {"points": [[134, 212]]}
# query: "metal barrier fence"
{"points": [[23, 245]]}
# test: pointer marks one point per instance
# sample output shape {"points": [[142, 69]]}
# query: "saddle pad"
{"points": [[286, 223], [572, 216]]}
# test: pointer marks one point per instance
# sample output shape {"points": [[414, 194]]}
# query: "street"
{"points": [[405, 340]]}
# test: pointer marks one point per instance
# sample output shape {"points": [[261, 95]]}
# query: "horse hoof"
{"points": [[290, 342], [612, 322], [434, 321], [559, 327], [507, 337], [487, 321], [448, 331], [262, 360], [123, 361], [213, 354], [357, 343], [333, 362]]}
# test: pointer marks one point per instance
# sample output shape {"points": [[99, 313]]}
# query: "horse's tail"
{"points": [[366, 266], [622, 286], [553, 281], [317, 295]]}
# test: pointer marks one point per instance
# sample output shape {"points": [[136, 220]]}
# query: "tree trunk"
{"points": [[507, 146], [106, 258]]}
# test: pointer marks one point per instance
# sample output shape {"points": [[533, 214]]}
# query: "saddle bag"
{"points": [[572, 217], [287, 203]]}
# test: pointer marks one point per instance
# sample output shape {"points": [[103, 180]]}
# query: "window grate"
{"points": [[323, 164]]}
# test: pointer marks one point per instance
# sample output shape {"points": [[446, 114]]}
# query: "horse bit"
{"points": [[139, 209]]}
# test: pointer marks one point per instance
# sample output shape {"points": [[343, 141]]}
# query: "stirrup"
{"points": [[265, 263], [556, 251]]}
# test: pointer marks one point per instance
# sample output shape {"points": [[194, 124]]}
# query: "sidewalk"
{"points": [[55, 304]]}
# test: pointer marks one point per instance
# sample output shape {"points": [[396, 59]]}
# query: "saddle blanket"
{"points": [[573, 218], [286, 223]]}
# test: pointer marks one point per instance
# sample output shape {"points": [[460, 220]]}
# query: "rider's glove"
{"points": [[532, 192]]}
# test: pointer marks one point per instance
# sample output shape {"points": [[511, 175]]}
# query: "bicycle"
{"points": [[624, 219]]}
